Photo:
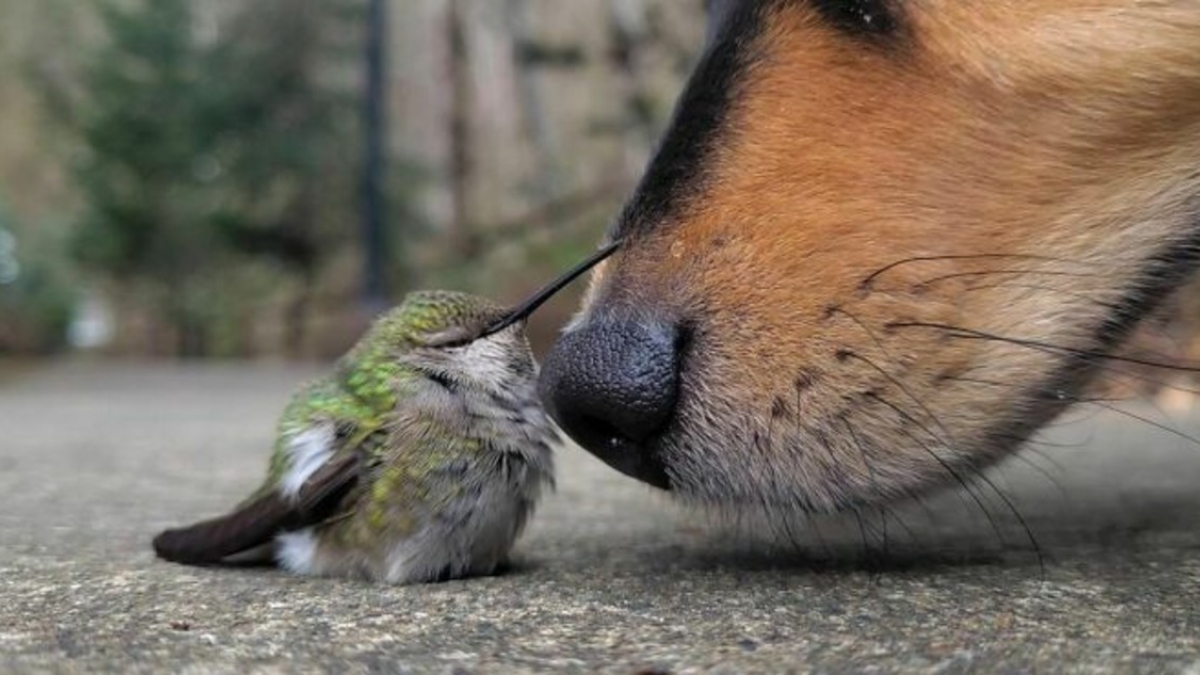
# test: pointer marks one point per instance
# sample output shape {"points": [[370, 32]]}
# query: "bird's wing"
{"points": [[326, 445], [259, 520]]}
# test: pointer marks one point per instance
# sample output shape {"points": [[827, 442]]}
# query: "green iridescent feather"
{"points": [[363, 391]]}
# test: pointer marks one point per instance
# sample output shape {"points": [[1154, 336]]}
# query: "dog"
{"points": [[883, 242]]}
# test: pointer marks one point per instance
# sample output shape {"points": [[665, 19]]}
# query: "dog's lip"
{"points": [[636, 460]]}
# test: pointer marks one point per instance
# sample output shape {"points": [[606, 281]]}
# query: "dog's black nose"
{"points": [[611, 385]]}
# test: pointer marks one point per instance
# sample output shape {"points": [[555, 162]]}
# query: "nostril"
{"points": [[684, 334]]}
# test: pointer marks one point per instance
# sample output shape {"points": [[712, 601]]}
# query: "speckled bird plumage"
{"points": [[417, 458]]}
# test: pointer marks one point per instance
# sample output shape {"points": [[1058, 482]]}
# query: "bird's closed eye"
{"points": [[457, 336]]}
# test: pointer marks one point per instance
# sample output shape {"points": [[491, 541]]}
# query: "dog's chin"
{"points": [[695, 463]]}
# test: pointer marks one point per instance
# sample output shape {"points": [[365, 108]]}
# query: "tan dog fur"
{"points": [[1007, 168]]}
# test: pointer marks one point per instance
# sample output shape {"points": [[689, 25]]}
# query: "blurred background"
{"points": [[202, 200], [255, 178]]}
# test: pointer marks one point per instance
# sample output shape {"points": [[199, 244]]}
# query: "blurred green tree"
{"points": [[284, 75], [210, 149], [36, 297]]}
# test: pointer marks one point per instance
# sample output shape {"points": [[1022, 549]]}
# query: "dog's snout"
{"points": [[612, 385]]}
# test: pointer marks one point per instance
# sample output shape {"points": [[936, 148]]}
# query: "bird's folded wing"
{"points": [[260, 520]]}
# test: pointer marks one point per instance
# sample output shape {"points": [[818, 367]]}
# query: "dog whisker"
{"points": [[977, 475], [871, 278], [933, 454], [984, 273], [929, 413], [970, 333], [871, 474], [1112, 307], [1146, 420]]}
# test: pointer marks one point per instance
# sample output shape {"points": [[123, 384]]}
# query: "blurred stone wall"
{"points": [[502, 105]]}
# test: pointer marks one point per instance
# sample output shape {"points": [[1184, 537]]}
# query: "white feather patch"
{"points": [[296, 551], [307, 453]]}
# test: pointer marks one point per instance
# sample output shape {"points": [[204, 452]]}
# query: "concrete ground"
{"points": [[94, 459]]}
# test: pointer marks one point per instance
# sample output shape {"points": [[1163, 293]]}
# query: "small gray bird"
{"points": [[420, 458]]}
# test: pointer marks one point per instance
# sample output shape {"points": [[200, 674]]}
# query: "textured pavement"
{"points": [[95, 458]]}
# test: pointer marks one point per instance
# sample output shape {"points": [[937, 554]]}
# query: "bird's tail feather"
{"points": [[216, 541]]}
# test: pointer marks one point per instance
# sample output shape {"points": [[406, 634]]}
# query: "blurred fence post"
{"points": [[374, 292]]}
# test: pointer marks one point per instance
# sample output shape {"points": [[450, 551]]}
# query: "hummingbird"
{"points": [[419, 458]]}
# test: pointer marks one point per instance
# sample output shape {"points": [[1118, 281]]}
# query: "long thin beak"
{"points": [[530, 304]]}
